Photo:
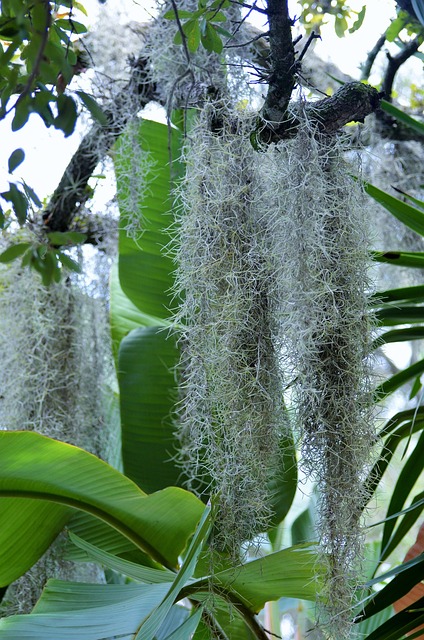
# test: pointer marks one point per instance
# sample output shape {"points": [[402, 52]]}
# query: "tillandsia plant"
{"points": [[316, 226], [273, 260], [231, 415]]}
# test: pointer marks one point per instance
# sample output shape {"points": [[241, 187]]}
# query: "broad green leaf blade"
{"points": [[395, 382], [21, 520], [283, 487], [303, 529], [227, 617], [100, 535], [73, 611], [156, 618], [33, 466], [406, 213], [147, 360], [131, 569], [145, 271], [290, 573], [188, 627], [124, 315]]}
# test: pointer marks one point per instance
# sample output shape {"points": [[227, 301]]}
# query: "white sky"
{"points": [[48, 152]]}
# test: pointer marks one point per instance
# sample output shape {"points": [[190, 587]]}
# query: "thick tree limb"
{"points": [[351, 103], [72, 191], [282, 77]]}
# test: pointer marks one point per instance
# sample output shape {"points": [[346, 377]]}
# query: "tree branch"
{"points": [[72, 191], [282, 77], [395, 62], [351, 103], [367, 65], [389, 127]]}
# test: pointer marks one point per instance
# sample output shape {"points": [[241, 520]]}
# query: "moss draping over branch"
{"points": [[231, 414], [316, 224]]}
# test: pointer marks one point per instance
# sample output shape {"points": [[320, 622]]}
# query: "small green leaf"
{"points": [[182, 14], [66, 237], [178, 38], [71, 25], [21, 115], [358, 22], [191, 30], [68, 262], [16, 158], [212, 16], [67, 115], [93, 107], [18, 200], [15, 251], [211, 40], [395, 28], [415, 387], [30, 194], [340, 26]]}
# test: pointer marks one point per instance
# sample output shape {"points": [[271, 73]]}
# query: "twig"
{"points": [[395, 62], [313, 36], [253, 7], [367, 65], [181, 30]]}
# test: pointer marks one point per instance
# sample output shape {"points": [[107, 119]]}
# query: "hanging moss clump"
{"points": [[318, 235], [230, 414]]}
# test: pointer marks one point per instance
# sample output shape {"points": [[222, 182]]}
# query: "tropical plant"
{"points": [[182, 576]]}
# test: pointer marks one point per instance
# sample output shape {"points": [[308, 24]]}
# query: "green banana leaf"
{"points": [[145, 271], [146, 365], [291, 573], [124, 315], [35, 467], [74, 611]]}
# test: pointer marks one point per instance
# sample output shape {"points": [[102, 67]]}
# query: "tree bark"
{"points": [[72, 191]]}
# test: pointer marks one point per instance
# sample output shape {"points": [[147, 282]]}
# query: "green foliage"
{"points": [[37, 49], [160, 541], [345, 19], [202, 26], [47, 259]]}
